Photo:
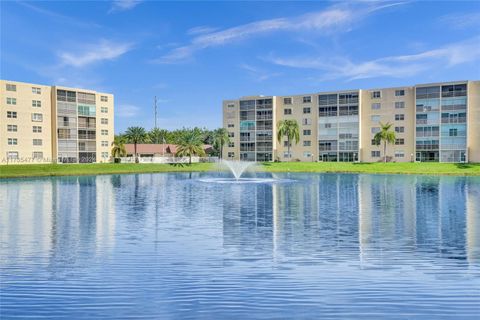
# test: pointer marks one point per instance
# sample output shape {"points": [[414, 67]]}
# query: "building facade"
{"points": [[432, 122], [45, 124]]}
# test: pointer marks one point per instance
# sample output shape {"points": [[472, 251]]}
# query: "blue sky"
{"points": [[193, 55]]}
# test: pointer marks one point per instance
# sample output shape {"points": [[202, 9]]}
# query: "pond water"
{"points": [[178, 246]]}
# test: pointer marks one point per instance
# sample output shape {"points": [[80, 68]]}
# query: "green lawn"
{"points": [[32, 170], [377, 167], [13, 171]]}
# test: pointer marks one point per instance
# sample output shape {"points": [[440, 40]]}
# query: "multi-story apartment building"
{"points": [[44, 124], [432, 122]]}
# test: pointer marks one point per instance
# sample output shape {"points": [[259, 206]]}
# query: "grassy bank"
{"points": [[39, 170], [402, 168]]}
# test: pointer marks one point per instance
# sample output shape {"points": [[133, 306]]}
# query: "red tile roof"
{"points": [[158, 149]]}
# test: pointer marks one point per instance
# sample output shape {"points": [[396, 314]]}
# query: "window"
{"points": [[376, 106], [399, 129], [306, 110], [287, 100], [307, 154], [36, 103], [374, 143], [399, 93], [37, 117], [37, 129], [286, 154], [12, 114], [12, 101], [328, 125], [12, 128], [399, 154], [399, 142], [376, 94], [104, 132], [103, 109], [306, 122], [230, 125], [375, 130], [104, 121], [104, 154], [231, 154], [231, 144], [37, 155], [285, 144], [12, 155], [287, 111], [399, 117], [375, 154], [11, 87], [307, 132], [307, 143], [37, 142], [12, 141], [453, 132], [36, 90], [104, 98], [104, 143], [307, 99], [399, 105], [230, 105], [231, 134], [375, 118]]}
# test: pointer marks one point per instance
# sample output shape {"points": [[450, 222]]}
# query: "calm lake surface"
{"points": [[169, 246]]}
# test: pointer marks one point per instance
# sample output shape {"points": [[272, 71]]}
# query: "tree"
{"points": [[385, 135], [190, 144], [289, 129], [118, 147], [220, 138], [135, 135], [157, 135]]}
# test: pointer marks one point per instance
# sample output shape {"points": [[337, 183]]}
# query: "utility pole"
{"points": [[155, 112]]}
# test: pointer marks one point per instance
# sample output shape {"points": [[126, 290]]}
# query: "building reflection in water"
{"points": [[378, 217], [57, 220], [473, 221]]}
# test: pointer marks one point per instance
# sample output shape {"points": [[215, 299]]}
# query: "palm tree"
{"points": [[289, 129], [157, 135], [118, 147], [190, 144], [135, 135], [220, 139], [385, 135]]}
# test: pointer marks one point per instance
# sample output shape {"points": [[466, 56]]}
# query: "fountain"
{"points": [[237, 169]]}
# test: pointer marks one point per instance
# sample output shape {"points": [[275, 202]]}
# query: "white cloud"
{"points": [[127, 111], [103, 50], [123, 5], [461, 20], [257, 73], [335, 18], [392, 66], [200, 30]]}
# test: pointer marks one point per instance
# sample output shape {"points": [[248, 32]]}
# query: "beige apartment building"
{"points": [[45, 124], [432, 122]]}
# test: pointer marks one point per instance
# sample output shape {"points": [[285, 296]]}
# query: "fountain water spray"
{"points": [[237, 168]]}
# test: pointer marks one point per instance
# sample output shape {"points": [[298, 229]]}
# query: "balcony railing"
{"points": [[427, 121], [328, 114], [427, 147], [454, 120]]}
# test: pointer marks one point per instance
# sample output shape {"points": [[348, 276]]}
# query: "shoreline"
{"points": [[52, 170]]}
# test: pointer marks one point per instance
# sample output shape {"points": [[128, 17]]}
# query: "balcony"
{"points": [[454, 120]]}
